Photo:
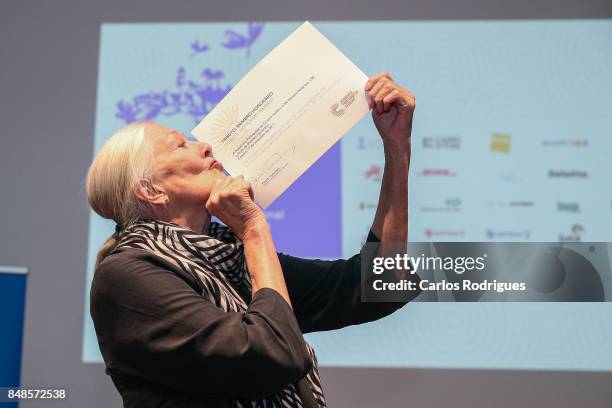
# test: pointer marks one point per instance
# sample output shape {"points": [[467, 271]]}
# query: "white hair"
{"points": [[122, 162]]}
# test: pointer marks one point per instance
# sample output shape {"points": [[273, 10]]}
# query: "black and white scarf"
{"points": [[216, 261]]}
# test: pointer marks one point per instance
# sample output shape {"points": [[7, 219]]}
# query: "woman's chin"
{"points": [[220, 173]]}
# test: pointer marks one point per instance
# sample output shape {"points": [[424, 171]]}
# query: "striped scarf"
{"points": [[216, 261]]}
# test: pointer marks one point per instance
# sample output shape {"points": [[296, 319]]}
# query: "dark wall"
{"points": [[49, 58]]}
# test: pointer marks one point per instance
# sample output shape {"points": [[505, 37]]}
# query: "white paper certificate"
{"points": [[285, 113]]}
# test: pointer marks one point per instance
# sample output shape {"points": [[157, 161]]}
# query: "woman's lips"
{"points": [[214, 164]]}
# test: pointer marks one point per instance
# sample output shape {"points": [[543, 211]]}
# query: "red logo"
{"points": [[374, 173]]}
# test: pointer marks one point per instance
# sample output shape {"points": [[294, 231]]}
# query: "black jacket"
{"points": [[164, 345]]}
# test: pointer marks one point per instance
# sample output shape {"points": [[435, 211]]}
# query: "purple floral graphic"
{"points": [[198, 48], [190, 97], [234, 40]]}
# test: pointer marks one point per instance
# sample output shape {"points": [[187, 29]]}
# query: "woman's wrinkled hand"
{"points": [[392, 109], [231, 200]]}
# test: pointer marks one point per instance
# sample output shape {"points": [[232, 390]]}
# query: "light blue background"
{"points": [[533, 80]]}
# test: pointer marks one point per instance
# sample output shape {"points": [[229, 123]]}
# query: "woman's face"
{"points": [[185, 170]]}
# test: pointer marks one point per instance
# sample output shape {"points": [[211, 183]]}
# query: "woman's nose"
{"points": [[206, 149]]}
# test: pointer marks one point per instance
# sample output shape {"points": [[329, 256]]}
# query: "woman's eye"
{"points": [[184, 144]]}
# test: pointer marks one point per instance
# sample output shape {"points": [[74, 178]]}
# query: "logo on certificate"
{"points": [[336, 110], [346, 101], [223, 132]]}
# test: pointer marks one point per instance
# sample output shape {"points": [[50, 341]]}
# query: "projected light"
{"points": [[511, 142]]}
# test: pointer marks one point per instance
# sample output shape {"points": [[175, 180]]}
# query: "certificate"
{"points": [[285, 113]]}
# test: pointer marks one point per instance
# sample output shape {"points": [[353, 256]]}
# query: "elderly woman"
{"points": [[193, 313]]}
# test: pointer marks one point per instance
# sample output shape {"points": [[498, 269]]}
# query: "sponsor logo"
{"points": [[507, 234], [511, 178], [367, 206], [572, 207], [374, 173], [575, 234], [500, 142], [565, 143], [436, 173], [514, 204], [431, 233], [452, 204], [364, 143], [567, 174], [442, 142], [521, 203]]}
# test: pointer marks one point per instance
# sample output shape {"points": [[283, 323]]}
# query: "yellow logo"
{"points": [[500, 142]]}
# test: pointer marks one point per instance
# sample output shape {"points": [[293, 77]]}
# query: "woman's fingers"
{"points": [[237, 185], [382, 90], [394, 97], [377, 81], [384, 93], [375, 78], [250, 190], [245, 185], [380, 99], [379, 87], [232, 202]]}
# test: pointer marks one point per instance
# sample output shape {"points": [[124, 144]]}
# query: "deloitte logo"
{"points": [[573, 174]]}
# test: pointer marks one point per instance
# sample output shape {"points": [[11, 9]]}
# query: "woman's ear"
{"points": [[150, 193]]}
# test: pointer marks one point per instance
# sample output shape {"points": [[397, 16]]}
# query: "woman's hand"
{"points": [[392, 109], [231, 200]]}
